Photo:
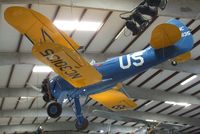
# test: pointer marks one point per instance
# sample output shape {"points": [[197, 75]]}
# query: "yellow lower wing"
{"points": [[67, 63], [36, 27], [114, 100], [182, 58], [165, 35]]}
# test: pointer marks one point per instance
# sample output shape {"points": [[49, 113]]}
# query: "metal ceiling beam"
{"points": [[134, 92], [175, 8], [158, 95], [62, 126], [127, 116], [190, 66]]}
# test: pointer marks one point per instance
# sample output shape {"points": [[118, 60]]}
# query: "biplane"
{"points": [[101, 82]]}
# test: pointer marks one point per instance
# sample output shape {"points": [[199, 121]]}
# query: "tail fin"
{"points": [[185, 44], [174, 32]]}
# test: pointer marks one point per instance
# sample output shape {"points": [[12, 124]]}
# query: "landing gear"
{"points": [[46, 98], [174, 63], [83, 125], [54, 110], [81, 122]]}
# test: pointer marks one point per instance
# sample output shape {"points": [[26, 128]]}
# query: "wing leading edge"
{"points": [[114, 100]]}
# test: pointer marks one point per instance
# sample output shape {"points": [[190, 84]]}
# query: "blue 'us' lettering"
{"points": [[135, 59]]}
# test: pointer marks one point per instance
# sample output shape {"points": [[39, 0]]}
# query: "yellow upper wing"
{"points": [[67, 63], [36, 27], [165, 35], [114, 99], [52, 46]]}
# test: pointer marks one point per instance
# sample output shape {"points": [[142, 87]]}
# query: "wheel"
{"points": [[54, 110], [174, 63], [82, 126], [46, 98]]}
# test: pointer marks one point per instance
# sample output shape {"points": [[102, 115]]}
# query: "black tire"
{"points": [[173, 63], [54, 110], [83, 126], [46, 98]]}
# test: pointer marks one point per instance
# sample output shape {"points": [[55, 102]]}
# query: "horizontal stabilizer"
{"points": [[182, 58], [114, 99], [67, 63], [36, 27], [165, 35]]}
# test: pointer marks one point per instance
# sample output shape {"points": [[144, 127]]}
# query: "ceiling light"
{"points": [[42, 69], [150, 120], [178, 103], [101, 131], [120, 33], [143, 9], [140, 19], [189, 79], [24, 97], [133, 27], [158, 3], [76, 25]]}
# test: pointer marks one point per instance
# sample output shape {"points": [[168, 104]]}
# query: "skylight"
{"points": [[76, 25], [42, 69], [178, 103], [189, 79]]}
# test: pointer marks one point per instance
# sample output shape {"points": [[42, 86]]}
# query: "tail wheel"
{"points": [[174, 63], [54, 110], [83, 125]]}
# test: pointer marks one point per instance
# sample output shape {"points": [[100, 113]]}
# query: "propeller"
{"points": [[34, 87]]}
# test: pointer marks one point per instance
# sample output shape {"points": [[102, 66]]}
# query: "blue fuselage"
{"points": [[120, 68]]}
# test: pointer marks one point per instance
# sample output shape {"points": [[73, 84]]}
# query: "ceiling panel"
{"points": [[195, 52], [171, 109], [184, 110], [4, 121], [185, 20], [4, 73], [38, 103], [99, 119], [15, 121], [139, 102], [9, 37], [172, 81], [37, 78], [158, 108], [40, 120], [193, 112], [107, 33], [194, 25], [142, 78], [24, 103], [28, 120], [148, 105], [47, 10], [158, 78], [50, 120], [69, 14], [20, 75], [10, 103], [119, 44], [83, 37]]}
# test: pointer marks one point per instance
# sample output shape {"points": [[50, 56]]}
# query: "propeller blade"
{"points": [[34, 87]]}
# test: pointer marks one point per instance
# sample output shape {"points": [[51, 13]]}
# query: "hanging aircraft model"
{"points": [[101, 81]]}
